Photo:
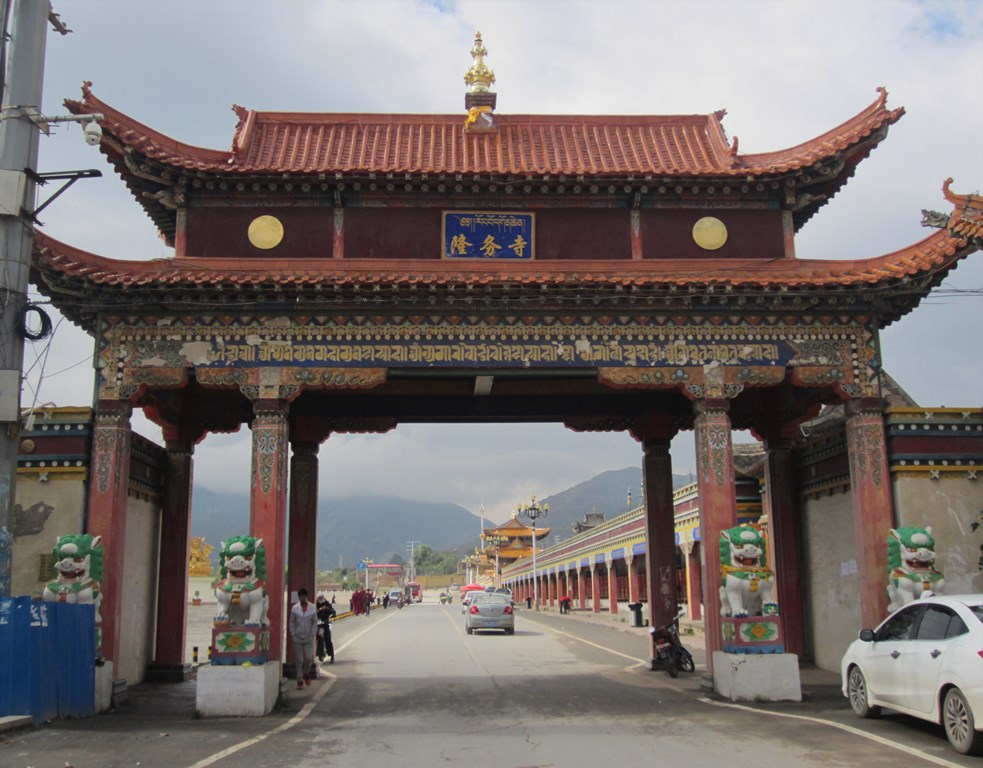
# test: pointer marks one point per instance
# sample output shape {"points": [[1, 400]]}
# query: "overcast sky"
{"points": [[785, 71]]}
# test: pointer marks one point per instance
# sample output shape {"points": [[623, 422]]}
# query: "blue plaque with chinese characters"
{"points": [[489, 235]]}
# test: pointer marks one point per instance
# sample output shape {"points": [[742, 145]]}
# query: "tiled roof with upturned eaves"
{"points": [[932, 253], [601, 145]]}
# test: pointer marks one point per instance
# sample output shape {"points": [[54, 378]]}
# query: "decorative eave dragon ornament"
{"points": [[241, 586]]}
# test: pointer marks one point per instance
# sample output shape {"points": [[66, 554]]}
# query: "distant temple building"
{"points": [[511, 541], [591, 519]]}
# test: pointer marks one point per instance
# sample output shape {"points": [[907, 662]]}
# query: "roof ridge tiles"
{"points": [[693, 145]]}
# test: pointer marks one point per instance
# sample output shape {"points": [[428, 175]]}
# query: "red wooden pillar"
{"points": [[301, 555], [268, 505], [718, 504], [175, 546], [785, 524], [660, 527], [582, 587], [108, 492], [551, 580], [873, 509], [595, 588], [612, 585], [694, 579]]}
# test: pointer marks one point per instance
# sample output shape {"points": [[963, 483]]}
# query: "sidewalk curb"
{"points": [[12, 722]]}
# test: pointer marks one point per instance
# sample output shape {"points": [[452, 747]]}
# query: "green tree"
{"points": [[429, 562]]}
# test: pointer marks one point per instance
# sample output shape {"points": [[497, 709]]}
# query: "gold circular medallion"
{"points": [[265, 232], [709, 233]]}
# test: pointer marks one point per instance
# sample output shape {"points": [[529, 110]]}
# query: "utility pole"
{"points": [[19, 138], [411, 546]]}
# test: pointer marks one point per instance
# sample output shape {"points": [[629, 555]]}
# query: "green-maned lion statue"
{"points": [[241, 585], [78, 569], [911, 565], [746, 582]]}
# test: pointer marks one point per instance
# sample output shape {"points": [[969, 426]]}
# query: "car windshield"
{"points": [[489, 597]]}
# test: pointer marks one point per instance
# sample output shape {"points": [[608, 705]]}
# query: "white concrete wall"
{"points": [[829, 568], [139, 604], [950, 505]]}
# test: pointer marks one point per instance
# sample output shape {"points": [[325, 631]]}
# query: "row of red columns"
{"points": [[870, 495], [872, 513]]}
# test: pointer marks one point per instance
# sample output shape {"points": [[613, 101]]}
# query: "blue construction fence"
{"points": [[47, 659]]}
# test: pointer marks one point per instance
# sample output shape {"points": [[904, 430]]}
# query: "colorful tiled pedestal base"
{"points": [[234, 645], [753, 634]]}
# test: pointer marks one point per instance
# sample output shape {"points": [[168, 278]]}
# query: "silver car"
{"points": [[490, 610]]}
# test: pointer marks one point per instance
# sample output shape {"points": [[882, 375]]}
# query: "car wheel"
{"points": [[469, 630], [856, 687], [509, 631], [960, 725]]}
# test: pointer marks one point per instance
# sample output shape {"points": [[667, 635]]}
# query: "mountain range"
{"points": [[379, 527]]}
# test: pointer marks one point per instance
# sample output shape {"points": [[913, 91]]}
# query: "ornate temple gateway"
{"points": [[350, 272]]}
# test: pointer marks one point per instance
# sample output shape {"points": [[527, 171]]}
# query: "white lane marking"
{"points": [[586, 642], [295, 720], [833, 724], [848, 728]]}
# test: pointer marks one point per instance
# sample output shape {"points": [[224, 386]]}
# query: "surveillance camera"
{"points": [[93, 133]]}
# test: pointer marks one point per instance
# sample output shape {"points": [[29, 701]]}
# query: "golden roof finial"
{"points": [[479, 77]]}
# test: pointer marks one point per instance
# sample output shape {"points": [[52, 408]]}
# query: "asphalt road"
{"points": [[410, 688]]}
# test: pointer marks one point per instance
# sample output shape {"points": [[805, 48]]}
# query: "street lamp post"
{"points": [[534, 510], [496, 542]]}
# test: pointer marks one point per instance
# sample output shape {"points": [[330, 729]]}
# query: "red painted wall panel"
{"points": [[415, 233], [668, 234], [222, 232], [583, 234], [392, 233]]}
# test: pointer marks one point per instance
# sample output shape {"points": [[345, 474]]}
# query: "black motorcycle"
{"points": [[325, 646], [670, 651]]}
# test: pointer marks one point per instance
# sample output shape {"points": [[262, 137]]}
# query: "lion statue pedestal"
{"points": [[757, 677], [240, 681], [753, 634], [237, 645], [753, 665], [237, 691]]}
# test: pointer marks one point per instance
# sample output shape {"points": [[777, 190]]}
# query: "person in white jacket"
{"points": [[303, 630]]}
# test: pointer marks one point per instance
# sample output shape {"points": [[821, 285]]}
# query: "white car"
{"points": [[925, 660]]}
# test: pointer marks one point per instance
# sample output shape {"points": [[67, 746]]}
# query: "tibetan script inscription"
{"points": [[663, 354], [488, 235], [367, 352]]}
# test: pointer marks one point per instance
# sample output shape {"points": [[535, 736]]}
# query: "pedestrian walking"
{"points": [[358, 601], [303, 628], [325, 645]]}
